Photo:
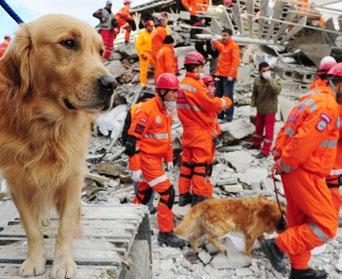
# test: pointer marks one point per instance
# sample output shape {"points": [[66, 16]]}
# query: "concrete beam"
{"points": [[262, 20], [277, 13], [237, 16], [250, 18]]}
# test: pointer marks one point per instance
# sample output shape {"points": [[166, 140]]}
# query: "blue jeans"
{"points": [[226, 88]]}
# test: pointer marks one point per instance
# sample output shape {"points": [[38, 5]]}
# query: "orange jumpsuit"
{"points": [[196, 6], [122, 17], [228, 60], [151, 126], [166, 61], [317, 83], [305, 150], [194, 109], [144, 47], [3, 47], [158, 36]]}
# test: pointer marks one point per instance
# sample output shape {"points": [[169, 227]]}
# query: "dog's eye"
{"points": [[69, 43]]}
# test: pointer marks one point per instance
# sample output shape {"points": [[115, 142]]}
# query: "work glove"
{"points": [[169, 166], [137, 176], [230, 78], [276, 167]]}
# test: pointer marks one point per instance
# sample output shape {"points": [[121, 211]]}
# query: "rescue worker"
{"points": [[196, 9], [5, 44], [106, 28], [305, 153], [227, 69], [166, 61], [144, 47], [266, 89], [326, 64], [149, 145], [158, 36], [124, 20], [193, 108]]}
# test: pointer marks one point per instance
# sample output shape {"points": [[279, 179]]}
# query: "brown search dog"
{"points": [[217, 217], [52, 84]]}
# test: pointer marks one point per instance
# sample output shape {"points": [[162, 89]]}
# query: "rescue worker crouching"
{"points": [[194, 109], [305, 153], [148, 145]]}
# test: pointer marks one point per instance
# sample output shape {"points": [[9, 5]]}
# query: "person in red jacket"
{"points": [[227, 69], [4, 45], [148, 146], [166, 60], [305, 153], [194, 108], [124, 19]]}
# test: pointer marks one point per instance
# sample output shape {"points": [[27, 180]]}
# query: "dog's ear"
{"points": [[19, 56]]}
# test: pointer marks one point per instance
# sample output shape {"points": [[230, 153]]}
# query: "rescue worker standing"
{"points": [[124, 19], [193, 108], [106, 28], [148, 146], [266, 89], [227, 69], [4, 45], [166, 61], [144, 47], [305, 153], [326, 64], [158, 36]]}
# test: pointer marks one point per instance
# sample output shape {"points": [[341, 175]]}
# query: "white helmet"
{"points": [[327, 59]]}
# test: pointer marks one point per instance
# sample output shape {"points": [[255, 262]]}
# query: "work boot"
{"points": [[184, 199], [197, 199], [260, 156], [169, 239], [272, 252], [251, 146], [309, 273]]}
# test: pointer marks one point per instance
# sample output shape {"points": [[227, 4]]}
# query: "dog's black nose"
{"points": [[107, 83]]}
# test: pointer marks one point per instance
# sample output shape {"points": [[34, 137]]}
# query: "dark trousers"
{"points": [[226, 88]]}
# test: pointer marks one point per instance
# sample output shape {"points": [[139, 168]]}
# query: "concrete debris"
{"points": [[236, 130], [116, 69], [253, 177], [238, 160]]}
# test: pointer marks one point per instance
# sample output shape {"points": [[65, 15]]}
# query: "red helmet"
{"points": [[194, 58], [149, 23], [7, 37], [336, 71], [208, 80], [325, 67], [126, 2], [167, 81], [228, 2]]}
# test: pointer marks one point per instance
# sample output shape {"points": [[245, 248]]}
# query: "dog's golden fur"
{"points": [[48, 97], [217, 217]]}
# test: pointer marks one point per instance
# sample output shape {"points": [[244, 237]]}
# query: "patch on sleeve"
{"points": [[321, 125], [143, 120], [325, 118], [139, 129]]}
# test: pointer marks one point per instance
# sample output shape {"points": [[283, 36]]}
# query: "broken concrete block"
{"points": [[242, 272], [232, 188], [204, 257], [255, 175], [239, 160], [116, 69], [339, 263], [236, 130]]}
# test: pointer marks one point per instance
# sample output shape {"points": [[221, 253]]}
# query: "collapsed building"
{"points": [[276, 31]]}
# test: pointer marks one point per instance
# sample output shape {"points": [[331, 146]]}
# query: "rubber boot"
{"points": [[169, 239], [308, 274], [197, 199], [272, 252], [184, 199]]}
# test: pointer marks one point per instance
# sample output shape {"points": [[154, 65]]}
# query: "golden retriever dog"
{"points": [[217, 217], [52, 84]]}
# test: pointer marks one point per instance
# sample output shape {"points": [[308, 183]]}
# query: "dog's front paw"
{"points": [[63, 267], [32, 267]]}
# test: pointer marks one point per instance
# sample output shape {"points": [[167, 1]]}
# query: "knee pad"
{"points": [[146, 195], [171, 199]]}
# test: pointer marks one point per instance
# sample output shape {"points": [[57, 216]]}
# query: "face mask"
{"points": [[267, 75]]}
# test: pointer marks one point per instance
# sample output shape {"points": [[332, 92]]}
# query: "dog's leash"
{"points": [[282, 224], [12, 13]]}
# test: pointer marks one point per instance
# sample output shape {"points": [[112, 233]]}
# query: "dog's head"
{"points": [[58, 59], [271, 216]]}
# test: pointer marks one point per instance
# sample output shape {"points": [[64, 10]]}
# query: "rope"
{"points": [[9, 10], [277, 193]]}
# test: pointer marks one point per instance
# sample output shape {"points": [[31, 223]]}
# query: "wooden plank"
{"points": [[91, 272], [263, 11], [85, 253], [250, 17], [237, 16]]}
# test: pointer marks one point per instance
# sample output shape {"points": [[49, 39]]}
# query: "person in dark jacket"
{"points": [[265, 98]]}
